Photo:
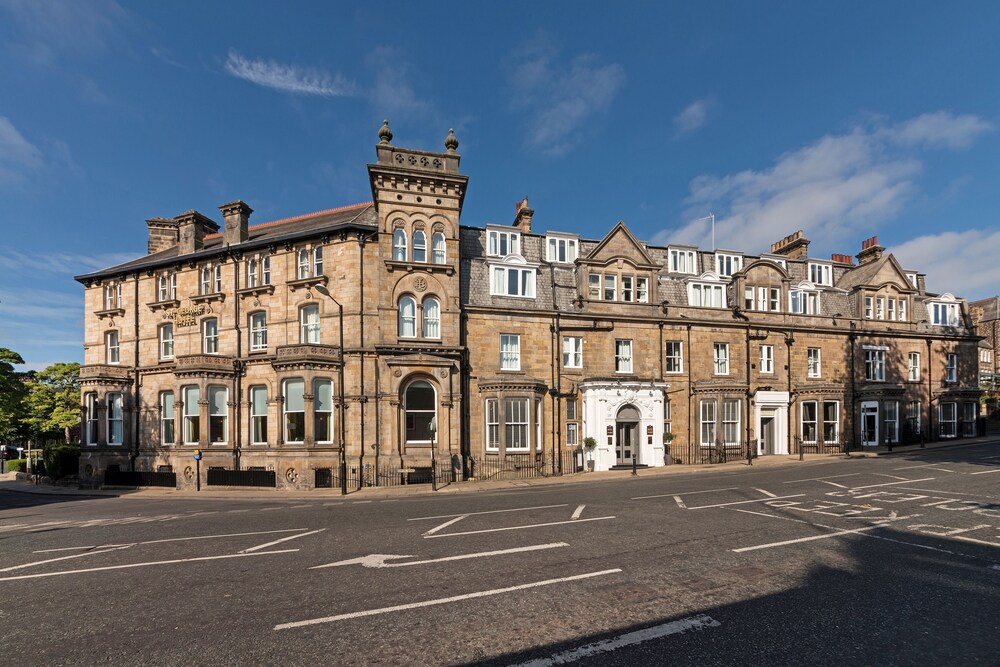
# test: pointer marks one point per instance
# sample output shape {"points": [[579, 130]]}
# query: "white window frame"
{"points": [[879, 308], [517, 424], [302, 264], [400, 249], [595, 286], [561, 249], [191, 423], [682, 260], [803, 302], [641, 289], [674, 355], [407, 314], [891, 421], [115, 402], [767, 359], [167, 421], [727, 263], [944, 314], [706, 295], [165, 335], [218, 416], [265, 270], [609, 286], [913, 414], [628, 288], [210, 335], [707, 423], [814, 362], [439, 248], [948, 423], [502, 242], [731, 420], [252, 272], [492, 415], [869, 308], [309, 327], [875, 365], [258, 415], [258, 331], [820, 273], [913, 367], [112, 296], [500, 281], [112, 347], [572, 351], [835, 422], [431, 318], [420, 246], [319, 414], [902, 309], [814, 422], [912, 279], [623, 355], [720, 358], [91, 433], [951, 368], [291, 414], [317, 257], [510, 352]]}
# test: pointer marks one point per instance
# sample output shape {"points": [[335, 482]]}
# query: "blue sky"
{"points": [[845, 119]]}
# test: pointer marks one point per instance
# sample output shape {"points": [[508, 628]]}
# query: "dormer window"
{"points": [[944, 314], [726, 264], [681, 261], [820, 274], [513, 277], [501, 243], [804, 300], [561, 250], [912, 279]]}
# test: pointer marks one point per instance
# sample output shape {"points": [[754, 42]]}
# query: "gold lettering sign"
{"points": [[185, 317]]}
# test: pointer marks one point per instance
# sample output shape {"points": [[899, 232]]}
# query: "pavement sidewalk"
{"points": [[9, 481]]}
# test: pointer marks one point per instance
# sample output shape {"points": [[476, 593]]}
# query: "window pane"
{"points": [[294, 391]]}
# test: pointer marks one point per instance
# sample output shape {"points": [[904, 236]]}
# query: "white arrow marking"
{"points": [[578, 512], [379, 560], [455, 598]]}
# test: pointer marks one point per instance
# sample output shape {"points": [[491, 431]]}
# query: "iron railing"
{"points": [[251, 477], [139, 478], [724, 452]]}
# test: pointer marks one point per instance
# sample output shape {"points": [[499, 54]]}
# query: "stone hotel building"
{"points": [[276, 346]]}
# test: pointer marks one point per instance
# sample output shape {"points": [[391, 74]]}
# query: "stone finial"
{"points": [[451, 142], [384, 133]]}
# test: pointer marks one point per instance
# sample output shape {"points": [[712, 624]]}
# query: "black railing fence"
{"points": [[818, 446], [249, 477], [139, 478], [727, 452]]}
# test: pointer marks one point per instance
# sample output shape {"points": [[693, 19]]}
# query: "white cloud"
{"points": [[58, 262], [49, 29], [392, 90], [18, 156], [940, 129], [946, 258], [693, 117], [559, 99], [839, 186], [288, 78]]}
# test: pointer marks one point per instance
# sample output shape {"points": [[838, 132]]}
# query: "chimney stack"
{"points": [[793, 246], [870, 251], [842, 259], [522, 216], [193, 227], [163, 234], [235, 222]]}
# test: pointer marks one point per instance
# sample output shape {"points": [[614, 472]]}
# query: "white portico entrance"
{"points": [[771, 421], [626, 419]]}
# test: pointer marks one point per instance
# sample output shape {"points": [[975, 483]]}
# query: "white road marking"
{"points": [[686, 493], [922, 465], [454, 598], [298, 507], [134, 565], [744, 502], [766, 493], [53, 560], [949, 493], [237, 511], [985, 472], [680, 503], [270, 509], [48, 551], [882, 474], [699, 622], [578, 512], [770, 516], [516, 509], [820, 479], [182, 539], [839, 486], [379, 560], [534, 525], [283, 539], [805, 539], [445, 524], [905, 481]]}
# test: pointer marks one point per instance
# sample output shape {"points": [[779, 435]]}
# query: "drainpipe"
{"points": [[136, 373], [557, 390], [851, 337], [789, 340], [930, 396], [363, 399], [749, 391], [690, 396], [239, 365]]}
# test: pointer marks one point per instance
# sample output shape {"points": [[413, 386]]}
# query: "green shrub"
{"points": [[61, 460], [17, 465]]}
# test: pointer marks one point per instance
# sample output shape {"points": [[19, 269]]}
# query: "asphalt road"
{"points": [[887, 561]]}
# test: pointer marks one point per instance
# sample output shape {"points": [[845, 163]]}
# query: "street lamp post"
{"points": [[340, 393]]}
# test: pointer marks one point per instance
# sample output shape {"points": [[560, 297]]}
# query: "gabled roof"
{"points": [[264, 234], [868, 274], [620, 243]]}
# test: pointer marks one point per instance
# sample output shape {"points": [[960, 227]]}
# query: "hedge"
{"points": [[61, 460], [17, 465]]}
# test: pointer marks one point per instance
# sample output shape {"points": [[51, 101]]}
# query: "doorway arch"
{"points": [[626, 434]]}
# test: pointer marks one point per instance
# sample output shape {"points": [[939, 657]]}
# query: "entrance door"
{"points": [[869, 424], [767, 435], [626, 430]]}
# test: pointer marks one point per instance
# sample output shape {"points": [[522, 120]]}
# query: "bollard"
{"points": [[634, 471]]}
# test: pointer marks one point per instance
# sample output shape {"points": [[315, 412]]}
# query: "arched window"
{"points": [[399, 245], [309, 324], [420, 407], [419, 246], [303, 264], [318, 261], [258, 331], [407, 317], [432, 318], [166, 341], [437, 248]]}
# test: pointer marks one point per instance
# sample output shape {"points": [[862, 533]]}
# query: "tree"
{"points": [[12, 393], [53, 401]]}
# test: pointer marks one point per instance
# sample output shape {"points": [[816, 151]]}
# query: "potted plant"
{"points": [[668, 437], [589, 443]]}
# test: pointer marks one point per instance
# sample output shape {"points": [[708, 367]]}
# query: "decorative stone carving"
{"points": [[188, 473], [420, 284], [291, 475]]}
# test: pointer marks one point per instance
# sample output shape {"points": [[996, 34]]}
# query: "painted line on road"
{"points": [[985, 472], [811, 538], [577, 513], [882, 474], [270, 509], [445, 524], [439, 601], [134, 565], [379, 560], [699, 622], [515, 509], [53, 560], [680, 503], [932, 466], [744, 502], [534, 525], [820, 479], [182, 539], [766, 493], [905, 481], [686, 493], [298, 507], [949, 493], [279, 541], [839, 486], [771, 516]]}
